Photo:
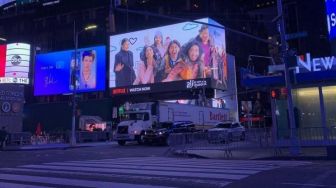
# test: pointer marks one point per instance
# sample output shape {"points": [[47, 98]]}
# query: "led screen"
{"points": [[3, 2], [179, 52], [331, 18], [55, 73], [14, 63]]}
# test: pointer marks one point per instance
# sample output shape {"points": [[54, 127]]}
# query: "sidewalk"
{"points": [[56, 146]]}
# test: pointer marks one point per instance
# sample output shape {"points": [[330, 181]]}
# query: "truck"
{"points": [[142, 116]]}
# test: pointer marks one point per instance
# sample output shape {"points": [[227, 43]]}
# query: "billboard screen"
{"points": [[14, 63], [3, 2], [331, 18], [180, 56], [55, 72]]}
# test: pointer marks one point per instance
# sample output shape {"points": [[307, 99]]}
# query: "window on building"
{"points": [[329, 97], [306, 103]]}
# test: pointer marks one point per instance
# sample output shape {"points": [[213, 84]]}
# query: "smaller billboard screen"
{"points": [[331, 18], [14, 63], [55, 73]]}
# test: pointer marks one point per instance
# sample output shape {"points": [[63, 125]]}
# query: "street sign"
{"points": [[297, 35]]}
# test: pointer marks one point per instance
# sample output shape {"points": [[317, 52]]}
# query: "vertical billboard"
{"points": [[56, 73], [331, 18], [186, 55], [14, 63]]}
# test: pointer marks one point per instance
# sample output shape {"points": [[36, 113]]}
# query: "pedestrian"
{"points": [[3, 137]]}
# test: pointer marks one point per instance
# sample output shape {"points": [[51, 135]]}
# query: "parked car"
{"points": [[160, 133], [226, 131]]}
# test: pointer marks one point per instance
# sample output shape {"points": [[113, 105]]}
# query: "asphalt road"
{"points": [[153, 166]]}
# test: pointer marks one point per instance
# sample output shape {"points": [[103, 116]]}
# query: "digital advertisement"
{"points": [[173, 53], [331, 18], [56, 73], [14, 63]]}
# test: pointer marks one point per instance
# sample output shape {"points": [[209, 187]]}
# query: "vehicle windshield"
{"points": [[224, 125], [165, 125], [134, 116]]}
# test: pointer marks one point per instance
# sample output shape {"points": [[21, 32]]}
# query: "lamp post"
{"points": [[3, 39], [74, 100]]}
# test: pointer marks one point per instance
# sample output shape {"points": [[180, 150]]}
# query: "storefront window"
{"points": [[329, 96], [307, 107]]}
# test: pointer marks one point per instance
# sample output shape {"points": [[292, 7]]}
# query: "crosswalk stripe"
{"points": [[200, 163], [143, 167], [164, 164], [216, 183], [16, 185], [143, 172], [200, 171], [73, 182], [212, 162]]}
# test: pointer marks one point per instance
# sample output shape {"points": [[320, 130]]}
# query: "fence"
{"points": [[251, 139], [307, 136]]}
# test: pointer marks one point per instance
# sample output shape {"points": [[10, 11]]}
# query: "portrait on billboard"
{"points": [[183, 51], [85, 74]]}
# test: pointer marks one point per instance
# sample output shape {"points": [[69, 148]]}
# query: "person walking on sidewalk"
{"points": [[3, 137]]}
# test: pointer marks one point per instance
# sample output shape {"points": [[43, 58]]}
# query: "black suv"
{"points": [[160, 133]]}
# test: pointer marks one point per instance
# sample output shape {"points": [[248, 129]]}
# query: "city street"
{"points": [[153, 166]]}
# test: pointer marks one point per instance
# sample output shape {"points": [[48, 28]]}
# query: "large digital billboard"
{"points": [[180, 56], [14, 63], [331, 18], [55, 73]]}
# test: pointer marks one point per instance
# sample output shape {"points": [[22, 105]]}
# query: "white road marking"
{"points": [[16, 185], [161, 168], [142, 172], [73, 182]]}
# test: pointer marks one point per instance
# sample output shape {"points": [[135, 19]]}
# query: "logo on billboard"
{"points": [[196, 84], [119, 91], [16, 60], [6, 107]]}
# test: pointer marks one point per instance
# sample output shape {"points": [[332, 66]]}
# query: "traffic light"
{"points": [[274, 94]]}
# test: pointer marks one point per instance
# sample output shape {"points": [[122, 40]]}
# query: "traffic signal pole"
{"points": [[294, 149]]}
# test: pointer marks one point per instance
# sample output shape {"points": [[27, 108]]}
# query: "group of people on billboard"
{"points": [[169, 60]]}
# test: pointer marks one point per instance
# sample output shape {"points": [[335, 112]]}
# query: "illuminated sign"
{"points": [[14, 63], [10, 80], [187, 52], [308, 64], [55, 73], [331, 18]]}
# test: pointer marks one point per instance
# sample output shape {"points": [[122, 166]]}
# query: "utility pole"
{"points": [[294, 149]]}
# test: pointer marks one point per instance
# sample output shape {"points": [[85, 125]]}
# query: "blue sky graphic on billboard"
{"points": [[183, 51], [55, 72], [331, 18]]}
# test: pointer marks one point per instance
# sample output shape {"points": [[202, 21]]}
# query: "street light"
{"points": [[3, 39], [74, 101]]}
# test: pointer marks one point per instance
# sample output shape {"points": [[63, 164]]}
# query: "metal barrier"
{"points": [[253, 138], [307, 136], [19, 138]]}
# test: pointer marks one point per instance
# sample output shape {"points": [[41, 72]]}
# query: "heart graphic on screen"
{"points": [[113, 48], [190, 26], [133, 40]]}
